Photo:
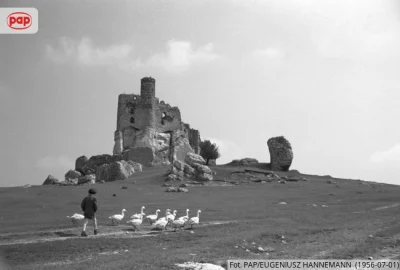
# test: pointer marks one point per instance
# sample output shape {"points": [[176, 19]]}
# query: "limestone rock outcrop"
{"points": [[193, 168], [71, 174], [180, 146], [87, 179], [152, 148], [118, 143], [192, 159], [281, 153], [80, 162], [244, 162], [69, 182], [212, 162], [96, 161], [51, 180], [118, 170]]}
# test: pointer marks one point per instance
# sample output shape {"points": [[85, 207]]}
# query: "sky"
{"points": [[322, 73]]}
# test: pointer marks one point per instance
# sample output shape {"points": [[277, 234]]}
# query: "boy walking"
{"points": [[89, 208]]}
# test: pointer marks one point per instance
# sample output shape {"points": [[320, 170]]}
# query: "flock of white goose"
{"points": [[160, 223]]}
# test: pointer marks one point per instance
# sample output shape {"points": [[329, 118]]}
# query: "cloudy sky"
{"points": [[323, 73]]}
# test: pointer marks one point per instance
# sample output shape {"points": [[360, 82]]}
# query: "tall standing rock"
{"points": [[281, 153]]}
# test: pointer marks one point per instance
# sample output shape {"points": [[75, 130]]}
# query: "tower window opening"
{"points": [[131, 110], [132, 120]]}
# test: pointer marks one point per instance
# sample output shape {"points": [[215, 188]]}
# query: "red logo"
{"points": [[19, 20]]}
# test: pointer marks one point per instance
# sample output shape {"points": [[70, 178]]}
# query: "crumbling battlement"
{"points": [[136, 112]]}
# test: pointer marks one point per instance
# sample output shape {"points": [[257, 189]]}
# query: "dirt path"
{"points": [[379, 208], [123, 231]]}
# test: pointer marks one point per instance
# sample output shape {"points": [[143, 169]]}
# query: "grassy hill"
{"points": [[323, 217]]}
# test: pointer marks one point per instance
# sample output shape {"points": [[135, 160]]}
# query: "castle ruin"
{"points": [[137, 113]]}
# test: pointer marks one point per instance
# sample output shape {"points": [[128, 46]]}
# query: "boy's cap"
{"points": [[92, 191]]}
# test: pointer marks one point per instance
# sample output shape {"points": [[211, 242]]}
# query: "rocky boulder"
{"points": [[71, 174], [87, 179], [96, 161], [80, 162], [281, 153], [51, 180], [212, 162], [244, 162], [118, 170], [197, 170], [69, 182], [193, 159]]}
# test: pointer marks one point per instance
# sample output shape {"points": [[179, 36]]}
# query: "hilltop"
{"points": [[313, 218]]}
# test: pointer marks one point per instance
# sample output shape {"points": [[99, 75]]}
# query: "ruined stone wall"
{"points": [[138, 112], [167, 118], [133, 115]]}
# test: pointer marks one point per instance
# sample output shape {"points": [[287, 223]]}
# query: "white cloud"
{"points": [[55, 162], [270, 52], [389, 156], [178, 57], [229, 150], [339, 28], [85, 53]]}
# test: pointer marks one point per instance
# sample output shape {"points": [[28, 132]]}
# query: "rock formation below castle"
{"points": [[281, 153], [150, 131]]}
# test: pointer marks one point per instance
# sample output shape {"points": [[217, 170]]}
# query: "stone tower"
{"points": [[137, 114], [148, 90]]}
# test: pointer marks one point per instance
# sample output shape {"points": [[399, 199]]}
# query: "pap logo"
{"points": [[19, 20]]}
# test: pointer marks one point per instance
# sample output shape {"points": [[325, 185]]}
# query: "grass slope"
{"points": [[355, 210]]}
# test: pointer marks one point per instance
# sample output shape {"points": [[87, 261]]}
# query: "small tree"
{"points": [[209, 151]]}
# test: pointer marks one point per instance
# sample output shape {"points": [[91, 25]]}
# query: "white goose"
{"points": [[194, 220], [153, 218], [75, 217], [178, 223], [171, 217], [185, 218], [141, 215], [162, 222], [168, 212], [135, 222], [117, 217]]}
